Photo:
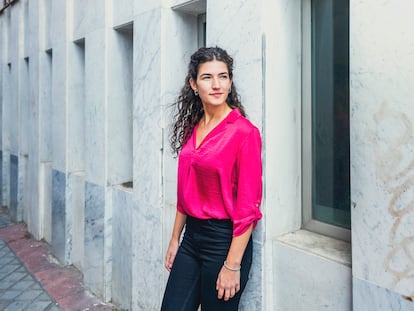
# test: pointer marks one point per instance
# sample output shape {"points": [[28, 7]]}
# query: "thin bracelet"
{"points": [[230, 268]]}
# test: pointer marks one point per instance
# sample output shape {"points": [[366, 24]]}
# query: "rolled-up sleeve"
{"points": [[249, 183]]}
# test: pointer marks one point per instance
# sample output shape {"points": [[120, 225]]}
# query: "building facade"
{"points": [[85, 90]]}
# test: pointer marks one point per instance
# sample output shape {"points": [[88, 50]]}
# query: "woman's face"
{"points": [[213, 83]]}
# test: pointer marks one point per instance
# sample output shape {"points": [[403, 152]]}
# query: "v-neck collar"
{"points": [[230, 118]]}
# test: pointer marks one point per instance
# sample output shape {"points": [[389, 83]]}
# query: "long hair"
{"points": [[188, 106]]}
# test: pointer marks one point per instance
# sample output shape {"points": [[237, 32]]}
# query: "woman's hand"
{"points": [[170, 255], [228, 283]]}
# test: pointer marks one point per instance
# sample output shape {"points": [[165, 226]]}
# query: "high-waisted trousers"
{"points": [[200, 257]]}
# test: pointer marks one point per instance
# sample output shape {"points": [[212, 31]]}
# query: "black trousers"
{"points": [[194, 273]]}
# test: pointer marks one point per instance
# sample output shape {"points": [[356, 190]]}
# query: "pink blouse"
{"points": [[222, 178]]}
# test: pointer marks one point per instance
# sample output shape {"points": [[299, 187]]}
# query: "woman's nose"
{"points": [[215, 83]]}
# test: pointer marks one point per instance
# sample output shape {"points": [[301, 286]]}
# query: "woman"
{"points": [[219, 189]]}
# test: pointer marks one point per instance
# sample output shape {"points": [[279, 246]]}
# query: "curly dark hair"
{"points": [[188, 106]]}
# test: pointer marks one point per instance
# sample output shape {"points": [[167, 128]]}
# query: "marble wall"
{"points": [[59, 234], [75, 202], [94, 226], [382, 153], [122, 201], [311, 272], [99, 77], [1, 178], [14, 178]]}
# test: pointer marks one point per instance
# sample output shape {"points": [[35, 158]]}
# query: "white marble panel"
{"points": [[45, 10], [382, 144], [252, 298], [5, 178], [6, 109], [43, 110], [59, 221], [36, 196], [34, 31], [147, 264], [58, 21], [26, 31], [58, 106], [22, 187], [282, 113], [122, 12], [75, 202], [95, 102], [147, 107], [304, 281], [108, 246], [25, 117], [120, 105], [177, 2], [76, 108], [14, 182], [122, 247], [11, 110], [39, 220], [2, 45], [93, 265], [88, 16], [2, 52], [367, 296], [144, 6], [1, 173]]}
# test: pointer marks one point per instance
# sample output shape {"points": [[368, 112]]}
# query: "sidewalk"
{"points": [[32, 279]]}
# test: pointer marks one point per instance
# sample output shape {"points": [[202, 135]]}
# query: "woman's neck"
{"points": [[215, 114]]}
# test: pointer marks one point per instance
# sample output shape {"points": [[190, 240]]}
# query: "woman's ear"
{"points": [[193, 84]]}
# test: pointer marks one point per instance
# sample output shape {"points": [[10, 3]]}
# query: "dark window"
{"points": [[330, 148]]}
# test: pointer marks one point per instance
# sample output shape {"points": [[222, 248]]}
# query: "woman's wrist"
{"points": [[175, 239], [231, 267]]}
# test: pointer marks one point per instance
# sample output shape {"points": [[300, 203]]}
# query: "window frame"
{"points": [[307, 222]]}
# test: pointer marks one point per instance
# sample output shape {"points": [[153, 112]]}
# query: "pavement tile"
{"points": [[43, 297], [29, 278], [39, 305], [8, 270], [6, 285], [6, 260], [4, 304], [21, 269], [16, 306], [10, 294], [30, 294], [14, 277], [22, 284]]}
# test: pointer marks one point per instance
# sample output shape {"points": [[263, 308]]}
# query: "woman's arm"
{"points": [[179, 223], [228, 280]]}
